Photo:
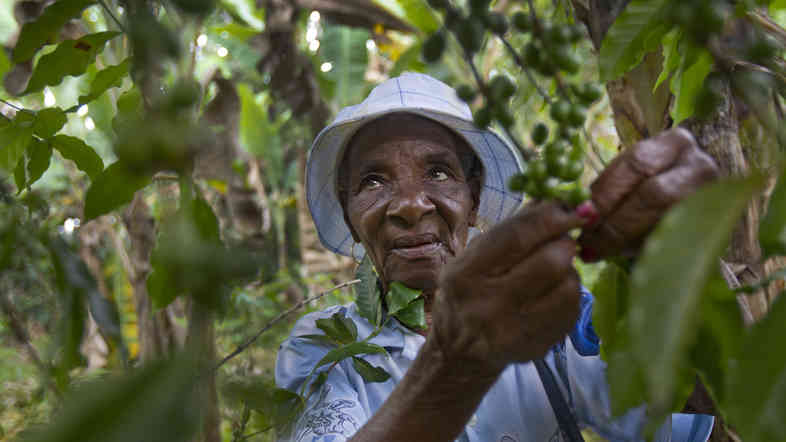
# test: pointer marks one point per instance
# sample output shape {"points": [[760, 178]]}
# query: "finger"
{"points": [[552, 317], [645, 159], [638, 214], [514, 239], [541, 271]]}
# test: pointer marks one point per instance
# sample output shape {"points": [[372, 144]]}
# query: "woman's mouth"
{"points": [[416, 246]]}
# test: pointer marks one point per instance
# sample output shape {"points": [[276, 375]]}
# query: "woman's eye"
{"points": [[438, 175], [370, 182]]}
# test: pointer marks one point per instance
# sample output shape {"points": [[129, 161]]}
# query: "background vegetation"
{"points": [[152, 218]]}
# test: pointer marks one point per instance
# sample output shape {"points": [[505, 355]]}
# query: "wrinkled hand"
{"points": [[513, 293], [638, 187]]}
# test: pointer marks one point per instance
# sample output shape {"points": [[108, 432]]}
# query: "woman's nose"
{"points": [[409, 204]]}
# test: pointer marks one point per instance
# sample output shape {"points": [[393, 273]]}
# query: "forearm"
{"points": [[433, 402]]}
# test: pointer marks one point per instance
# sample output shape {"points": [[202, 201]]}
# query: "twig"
{"points": [[109, 11], [242, 347], [525, 68], [9, 104]]}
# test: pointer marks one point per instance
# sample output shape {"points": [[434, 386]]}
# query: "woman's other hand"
{"points": [[638, 187], [512, 294]]}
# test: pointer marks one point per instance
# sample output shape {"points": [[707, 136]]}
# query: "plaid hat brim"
{"points": [[421, 95]]}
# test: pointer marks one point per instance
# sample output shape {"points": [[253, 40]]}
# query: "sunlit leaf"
{"points": [[34, 163], [666, 286], [415, 12], [14, 139], [5, 64], [345, 49], [353, 349], [49, 121], [112, 188], [413, 315], [636, 31], [368, 372], [74, 149], [46, 27], [71, 57], [399, 297], [107, 78], [686, 84], [757, 391], [772, 231], [671, 56], [367, 296]]}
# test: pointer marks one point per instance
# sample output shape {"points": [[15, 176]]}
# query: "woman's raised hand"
{"points": [[638, 187], [513, 293]]}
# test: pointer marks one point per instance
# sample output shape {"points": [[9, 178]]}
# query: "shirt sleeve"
{"points": [[333, 412]]}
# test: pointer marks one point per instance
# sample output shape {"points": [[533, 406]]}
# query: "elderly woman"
{"points": [[407, 179]]}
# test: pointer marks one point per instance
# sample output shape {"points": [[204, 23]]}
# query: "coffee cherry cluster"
{"points": [[550, 53]]}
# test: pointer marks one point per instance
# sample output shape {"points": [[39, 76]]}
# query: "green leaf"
{"points": [[671, 56], [772, 231], [155, 403], [368, 372], [338, 328], [48, 121], [611, 303], [666, 286], [112, 188], [352, 349], [5, 64], [74, 149], [367, 295], [45, 29], [14, 139], [633, 35], [277, 406], [776, 5], [686, 84], [345, 49], [415, 12], [106, 79], [757, 391], [205, 220], [399, 297], [71, 57], [321, 339], [37, 159], [409, 60], [413, 315]]}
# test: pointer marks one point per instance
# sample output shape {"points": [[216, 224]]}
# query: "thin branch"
{"points": [[109, 11], [526, 69], [9, 104], [242, 347]]}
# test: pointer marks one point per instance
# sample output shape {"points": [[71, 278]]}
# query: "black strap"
{"points": [[565, 419]]}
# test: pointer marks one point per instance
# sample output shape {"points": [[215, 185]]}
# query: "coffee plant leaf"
{"points": [[105, 79], [45, 29], [76, 150], [112, 188]]}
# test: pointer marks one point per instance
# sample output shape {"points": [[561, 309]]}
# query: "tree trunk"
{"points": [[201, 340]]}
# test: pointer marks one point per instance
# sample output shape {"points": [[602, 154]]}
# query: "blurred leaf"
{"points": [[345, 49], [413, 315], [367, 296], [14, 139], [105, 79], [353, 349], [33, 164], [399, 297], [414, 12], [276, 405], [45, 29], [205, 220], [627, 384], [236, 31], [666, 286], [695, 65], [155, 403], [74, 149], [671, 56], [368, 372], [71, 57], [5, 64], [636, 31], [112, 188], [246, 11], [776, 5], [611, 303], [757, 391], [772, 231], [409, 61], [48, 121], [339, 328]]}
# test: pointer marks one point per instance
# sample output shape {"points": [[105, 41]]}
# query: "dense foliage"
{"points": [[151, 213]]}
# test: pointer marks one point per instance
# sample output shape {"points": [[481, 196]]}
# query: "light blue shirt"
{"points": [[515, 409]]}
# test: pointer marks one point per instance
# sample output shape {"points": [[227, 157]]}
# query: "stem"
{"points": [[525, 68], [242, 347], [109, 11], [9, 104]]}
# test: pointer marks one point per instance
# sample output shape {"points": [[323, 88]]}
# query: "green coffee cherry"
{"points": [[566, 59], [568, 133], [588, 93], [482, 117], [452, 19], [560, 111], [551, 188], [501, 87], [537, 170], [479, 6], [470, 34], [522, 21], [466, 92], [572, 170], [578, 195], [577, 115], [575, 33], [539, 133], [433, 47], [503, 116], [763, 49], [559, 34], [556, 165], [496, 22], [557, 148]]}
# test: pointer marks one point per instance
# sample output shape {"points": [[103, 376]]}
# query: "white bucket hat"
{"points": [[417, 94]]}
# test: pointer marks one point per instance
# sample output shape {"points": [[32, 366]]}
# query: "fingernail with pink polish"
{"points": [[589, 255], [588, 211]]}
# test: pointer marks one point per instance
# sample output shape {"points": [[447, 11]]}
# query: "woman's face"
{"points": [[407, 198]]}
